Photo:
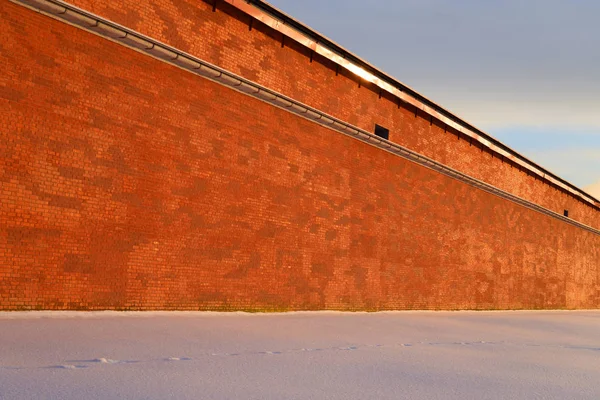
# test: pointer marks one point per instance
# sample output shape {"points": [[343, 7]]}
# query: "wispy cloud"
{"points": [[570, 153], [594, 189], [491, 110], [578, 165]]}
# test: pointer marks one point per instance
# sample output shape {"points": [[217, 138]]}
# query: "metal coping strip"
{"points": [[295, 30], [67, 13]]}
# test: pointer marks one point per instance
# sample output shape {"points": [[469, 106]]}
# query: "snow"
{"points": [[322, 355]]}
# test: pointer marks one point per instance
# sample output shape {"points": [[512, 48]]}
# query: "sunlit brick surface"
{"points": [[225, 39], [128, 183]]}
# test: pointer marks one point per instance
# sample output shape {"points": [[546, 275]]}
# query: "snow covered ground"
{"points": [[325, 355]]}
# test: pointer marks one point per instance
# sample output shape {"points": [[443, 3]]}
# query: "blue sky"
{"points": [[526, 72]]}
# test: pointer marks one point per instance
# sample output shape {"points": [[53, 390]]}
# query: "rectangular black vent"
{"points": [[382, 132], [566, 213]]}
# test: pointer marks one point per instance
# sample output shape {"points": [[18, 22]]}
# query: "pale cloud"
{"points": [[490, 111], [580, 166], [594, 189]]}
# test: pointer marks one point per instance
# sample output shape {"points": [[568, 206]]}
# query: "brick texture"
{"points": [[126, 183], [225, 39]]}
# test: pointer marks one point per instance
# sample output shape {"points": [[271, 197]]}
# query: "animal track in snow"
{"points": [[82, 364], [106, 361], [69, 366]]}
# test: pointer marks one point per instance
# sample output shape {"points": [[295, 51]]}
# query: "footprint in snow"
{"points": [[69, 366], [106, 361]]}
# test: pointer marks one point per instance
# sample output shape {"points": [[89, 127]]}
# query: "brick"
{"points": [[138, 185], [223, 38]]}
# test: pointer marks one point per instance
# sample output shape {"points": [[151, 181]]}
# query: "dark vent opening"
{"points": [[566, 213], [382, 132]]}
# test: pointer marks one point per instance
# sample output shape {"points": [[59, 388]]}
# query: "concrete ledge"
{"points": [[266, 94], [45, 6], [298, 109], [246, 88], [209, 71], [186, 63], [162, 52], [79, 19], [283, 102], [108, 31], [230, 80], [137, 42]]}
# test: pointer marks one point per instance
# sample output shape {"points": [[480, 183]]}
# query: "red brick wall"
{"points": [[127, 183], [223, 38]]}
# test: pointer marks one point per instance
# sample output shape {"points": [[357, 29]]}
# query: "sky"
{"points": [[525, 72]]}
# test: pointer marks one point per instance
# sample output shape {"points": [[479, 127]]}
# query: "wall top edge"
{"points": [[308, 37]]}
